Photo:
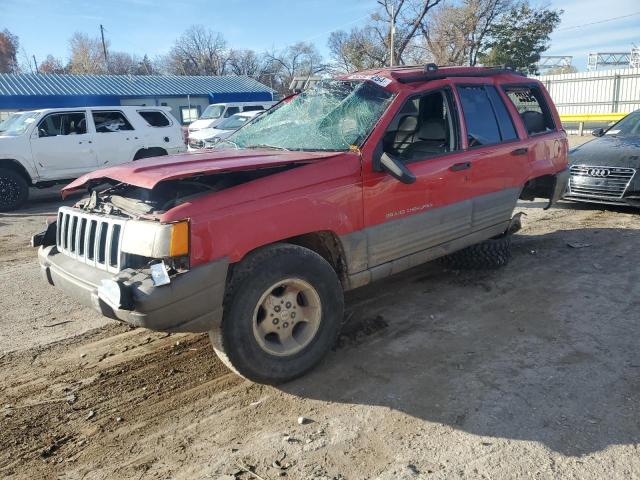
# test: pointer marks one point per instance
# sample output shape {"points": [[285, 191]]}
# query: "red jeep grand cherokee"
{"points": [[255, 240]]}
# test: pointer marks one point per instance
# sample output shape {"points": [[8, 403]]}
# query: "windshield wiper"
{"points": [[266, 145]]}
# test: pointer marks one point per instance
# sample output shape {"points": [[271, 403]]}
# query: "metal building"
{"points": [[187, 96]]}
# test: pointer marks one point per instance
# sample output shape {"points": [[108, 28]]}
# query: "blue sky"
{"points": [[150, 26]]}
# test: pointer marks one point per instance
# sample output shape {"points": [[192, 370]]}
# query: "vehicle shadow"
{"points": [[543, 350], [569, 205], [42, 202]]}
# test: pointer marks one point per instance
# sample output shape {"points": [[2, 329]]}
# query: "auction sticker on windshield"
{"points": [[377, 79]]}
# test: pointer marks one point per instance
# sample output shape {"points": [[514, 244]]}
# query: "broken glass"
{"points": [[334, 116]]}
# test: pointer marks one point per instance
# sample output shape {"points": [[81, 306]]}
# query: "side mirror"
{"points": [[35, 133], [396, 168], [598, 132]]}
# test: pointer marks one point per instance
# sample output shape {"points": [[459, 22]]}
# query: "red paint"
{"points": [[340, 192]]}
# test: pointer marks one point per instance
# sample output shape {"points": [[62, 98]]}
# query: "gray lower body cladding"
{"points": [[192, 302], [403, 243]]}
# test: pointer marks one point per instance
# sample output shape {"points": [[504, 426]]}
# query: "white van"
{"points": [[41, 148], [217, 112]]}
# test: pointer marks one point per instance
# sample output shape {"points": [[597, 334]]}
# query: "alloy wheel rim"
{"points": [[287, 317]]}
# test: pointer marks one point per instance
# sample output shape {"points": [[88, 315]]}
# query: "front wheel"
{"points": [[14, 190], [282, 314]]}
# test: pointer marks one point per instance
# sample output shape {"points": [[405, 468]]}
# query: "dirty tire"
{"points": [[492, 253], [14, 190], [243, 350]]}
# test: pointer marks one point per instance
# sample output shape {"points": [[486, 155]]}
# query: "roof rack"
{"points": [[431, 71]]}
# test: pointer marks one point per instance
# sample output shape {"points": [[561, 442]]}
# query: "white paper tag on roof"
{"points": [[377, 79]]}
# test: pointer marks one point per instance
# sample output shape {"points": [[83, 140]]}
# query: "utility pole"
{"points": [[104, 45], [392, 35], [35, 63]]}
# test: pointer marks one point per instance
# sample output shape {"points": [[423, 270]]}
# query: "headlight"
{"points": [[156, 240]]}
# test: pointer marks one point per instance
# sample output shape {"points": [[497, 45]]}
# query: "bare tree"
{"points": [[9, 45], [198, 51], [52, 64], [300, 59], [245, 62], [456, 34], [87, 56], [369, 46], [145, 67], [409, 17], [121, 63], [359, 49]]}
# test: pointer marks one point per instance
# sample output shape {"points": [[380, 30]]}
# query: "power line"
{"points": [[573, 27]]}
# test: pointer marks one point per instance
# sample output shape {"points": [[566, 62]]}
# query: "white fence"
{"points": [[607, 91]]}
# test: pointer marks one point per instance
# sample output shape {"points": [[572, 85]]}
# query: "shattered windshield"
{"points": [[333, 116], [212, 112]]}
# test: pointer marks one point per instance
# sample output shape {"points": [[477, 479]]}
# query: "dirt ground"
{"points": [[531, 371]]}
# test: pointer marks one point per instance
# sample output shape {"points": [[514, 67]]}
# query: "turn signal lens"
{"points": [[179, 245]]}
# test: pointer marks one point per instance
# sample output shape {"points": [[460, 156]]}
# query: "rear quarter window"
{"points": [[155, 118], [532, 107]]}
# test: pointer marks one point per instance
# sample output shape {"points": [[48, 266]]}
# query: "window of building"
{"points": [[189, 114], [533, 109], [110, 121], [68, 123], [155, 118], [424, 127]]}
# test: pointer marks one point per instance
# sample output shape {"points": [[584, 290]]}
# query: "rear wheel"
{"points": [[282, 314], [150, 152], [492, 253], [14, 190]]}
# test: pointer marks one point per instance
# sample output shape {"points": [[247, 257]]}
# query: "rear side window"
{"points": [[231, 111], [252, 108], [533, 109], [111, 121], [482, 126], [155, 118]]}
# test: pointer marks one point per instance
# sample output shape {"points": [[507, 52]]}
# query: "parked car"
{"points": [[359, 178], [217, 112], [208, 137], [45, 147], [604, 169]]}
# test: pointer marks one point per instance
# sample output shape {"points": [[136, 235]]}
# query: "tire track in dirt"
{"points": [[87, 395]]}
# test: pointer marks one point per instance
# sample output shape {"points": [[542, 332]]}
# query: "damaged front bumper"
{"points": [[191, 302]]}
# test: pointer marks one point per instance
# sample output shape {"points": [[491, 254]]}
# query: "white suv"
{"points": [[44, 147]]}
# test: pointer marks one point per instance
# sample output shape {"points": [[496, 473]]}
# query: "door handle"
{"points": [[520, 151], [456, 167]]}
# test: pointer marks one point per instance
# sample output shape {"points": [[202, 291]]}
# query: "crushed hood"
{"points": [[147, 173]]}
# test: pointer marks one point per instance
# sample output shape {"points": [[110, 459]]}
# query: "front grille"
{"points": [[92, 239], [605, 183]]}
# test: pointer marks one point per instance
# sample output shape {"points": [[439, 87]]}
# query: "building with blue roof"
{"points": [[186, 96]]}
